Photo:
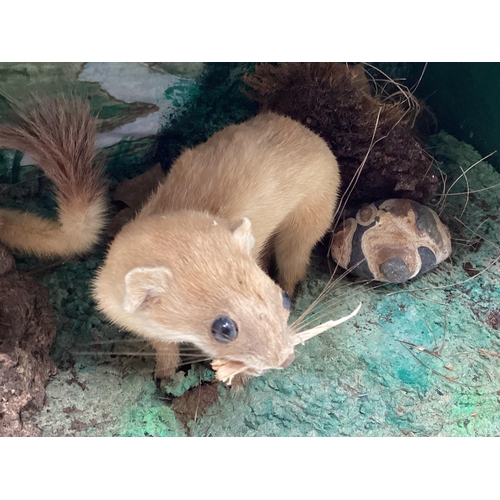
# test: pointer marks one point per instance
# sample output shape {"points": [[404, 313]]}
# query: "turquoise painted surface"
{"points": [[180, 93], [149, 419]]}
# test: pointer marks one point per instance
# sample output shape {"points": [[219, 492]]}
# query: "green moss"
{"points": [[150, 418], [142, 421], [182, 381], [473, 414]]}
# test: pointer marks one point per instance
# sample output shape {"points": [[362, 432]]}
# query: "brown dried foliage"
{"points": [[334, 100]]}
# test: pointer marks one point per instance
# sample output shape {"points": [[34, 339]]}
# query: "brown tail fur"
{"points": [[60, 136]]}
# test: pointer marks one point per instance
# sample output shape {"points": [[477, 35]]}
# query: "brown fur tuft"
{"points": [[60, 135], [334, 100]]}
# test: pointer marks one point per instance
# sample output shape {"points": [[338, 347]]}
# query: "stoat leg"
{"points": [[167, 359]]}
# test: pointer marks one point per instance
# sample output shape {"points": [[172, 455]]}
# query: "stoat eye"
{"points": [[224, 329], [286, 300]]}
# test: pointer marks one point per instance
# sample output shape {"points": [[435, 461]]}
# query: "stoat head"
{"points": [[185, 277]]}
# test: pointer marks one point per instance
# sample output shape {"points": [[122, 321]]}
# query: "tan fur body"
{"points": [[270, 169], [191, 254]]}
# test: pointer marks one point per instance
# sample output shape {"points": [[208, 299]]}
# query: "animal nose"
{"points": [[288, 361]]}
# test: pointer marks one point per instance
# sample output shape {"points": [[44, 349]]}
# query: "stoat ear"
{"points": [[143, 284], [242, 233]]}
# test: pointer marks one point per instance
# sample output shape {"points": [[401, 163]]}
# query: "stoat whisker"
{"points": [[111, 353], [328, 306], [328, 287], [194, 359], [112, 341]]}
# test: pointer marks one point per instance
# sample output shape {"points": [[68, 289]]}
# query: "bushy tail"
{"points": [[60, 136]]}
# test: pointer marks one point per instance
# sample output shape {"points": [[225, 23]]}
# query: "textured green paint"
{"points": [[149, 419], [181, 381], [180, 93], [16, 78], [474, 415]]}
